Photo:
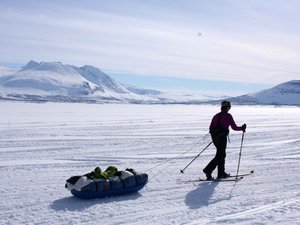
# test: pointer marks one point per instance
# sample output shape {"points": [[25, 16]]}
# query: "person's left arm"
{"points": [[233, 124]]}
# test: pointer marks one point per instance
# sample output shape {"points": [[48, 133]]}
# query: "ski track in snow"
{"points": [[42, 145]]}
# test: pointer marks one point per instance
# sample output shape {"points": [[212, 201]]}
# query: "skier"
{"points": [[219, 130]]}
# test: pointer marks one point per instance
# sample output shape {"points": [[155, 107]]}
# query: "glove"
{"points": [[244, 127]]}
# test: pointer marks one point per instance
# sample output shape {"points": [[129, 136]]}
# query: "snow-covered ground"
{"points": [[42, 145]]}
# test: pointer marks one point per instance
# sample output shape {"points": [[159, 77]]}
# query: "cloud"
{"points": [[239, 42]]}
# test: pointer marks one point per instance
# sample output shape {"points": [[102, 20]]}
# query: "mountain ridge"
{"points": [[55, 81], [287, 93]]}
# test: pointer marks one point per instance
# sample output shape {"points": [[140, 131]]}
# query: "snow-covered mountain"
{"points": [[54, 81], [287, 93]]}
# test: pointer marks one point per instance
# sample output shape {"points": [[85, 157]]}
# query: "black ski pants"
{"points": [[219, 160]]}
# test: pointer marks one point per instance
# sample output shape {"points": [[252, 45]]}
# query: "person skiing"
{"points": [[219, 130]]}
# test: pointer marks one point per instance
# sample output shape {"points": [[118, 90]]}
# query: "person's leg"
{"points": [[211, 166], [215, 161], [221, 156]]}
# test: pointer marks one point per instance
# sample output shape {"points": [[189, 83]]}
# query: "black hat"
{"points": [[225, 104]]}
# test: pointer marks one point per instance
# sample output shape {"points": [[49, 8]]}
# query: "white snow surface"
{"points": [[42, 145]]}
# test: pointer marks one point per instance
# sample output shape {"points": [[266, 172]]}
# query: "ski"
{"points": [[242, 175], [228, 179], [212, 180]]}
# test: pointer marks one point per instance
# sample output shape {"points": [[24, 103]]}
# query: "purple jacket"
{"points": [[223, 120]]}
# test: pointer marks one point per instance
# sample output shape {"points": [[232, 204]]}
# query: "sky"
{"points": [[223, 47]]}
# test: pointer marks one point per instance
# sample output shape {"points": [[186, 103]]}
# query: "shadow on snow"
{"points": [[73, 203], [202, 195]]}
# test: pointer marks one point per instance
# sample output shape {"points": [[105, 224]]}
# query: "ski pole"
{"points": [[181, 171], [237, 172]]}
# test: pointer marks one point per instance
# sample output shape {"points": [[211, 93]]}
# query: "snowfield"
{"points": [[42, 145]]}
